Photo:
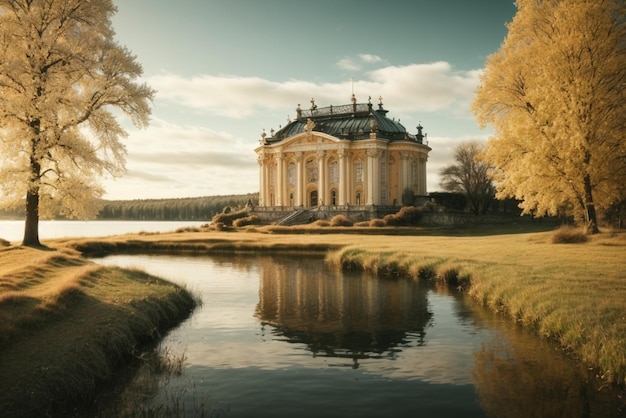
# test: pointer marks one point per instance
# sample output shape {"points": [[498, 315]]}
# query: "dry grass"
{"points": [[569, 235], [66, 323]]}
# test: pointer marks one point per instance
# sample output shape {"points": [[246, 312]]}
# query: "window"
{"points": [[311, 168], [334, 172], [273, 177], [333, 197], [358, 171], [291, 174], [313, 198], [383, 172]]}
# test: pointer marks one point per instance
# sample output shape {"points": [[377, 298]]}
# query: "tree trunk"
{"points": [[31, 226], [590, 208]]}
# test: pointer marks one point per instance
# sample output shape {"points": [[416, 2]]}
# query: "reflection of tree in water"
{"points": [[518, 375], [353, 316]]}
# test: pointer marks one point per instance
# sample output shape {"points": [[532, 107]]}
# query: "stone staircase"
{"points": [[299, 217]]}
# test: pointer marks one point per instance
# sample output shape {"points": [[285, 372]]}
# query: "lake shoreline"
{"points": [[68, 325], [483, 269], [463, 260]]}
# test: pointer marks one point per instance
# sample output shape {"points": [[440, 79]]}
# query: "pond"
{"points": [[295, 337]]}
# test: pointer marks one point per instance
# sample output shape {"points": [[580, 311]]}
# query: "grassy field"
{"points": [[57, 308], [66, 324]]}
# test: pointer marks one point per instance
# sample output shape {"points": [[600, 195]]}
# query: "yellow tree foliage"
{"points": [[555, 95], [61, 76]]}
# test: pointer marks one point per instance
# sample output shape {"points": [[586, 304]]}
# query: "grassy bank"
{"points": [[571, 293], [66, 324]]}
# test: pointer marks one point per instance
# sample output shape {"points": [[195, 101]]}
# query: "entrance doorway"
{"points": [[313, 198]]}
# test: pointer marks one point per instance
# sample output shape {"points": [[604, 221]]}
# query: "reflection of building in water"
{"points": [[353, 316]]}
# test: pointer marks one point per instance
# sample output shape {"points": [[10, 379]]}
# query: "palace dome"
{"points": [[355, 121]]}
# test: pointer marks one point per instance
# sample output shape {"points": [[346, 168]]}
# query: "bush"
{"points": [[340, 220], [407, 216], [569, 235], [321, 222], [377, 223], [248, 220], [228, 217], [187, 229]]}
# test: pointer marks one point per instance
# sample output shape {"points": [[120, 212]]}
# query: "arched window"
{"points": [[333, 197], [358, 198], [313, 198]]}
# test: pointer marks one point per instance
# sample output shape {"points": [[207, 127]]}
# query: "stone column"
{"points": [[373, 177], [405, 171], [299, 180], [260, 161], [322, 199], [343, 181], [422, 174], [280, 181]]}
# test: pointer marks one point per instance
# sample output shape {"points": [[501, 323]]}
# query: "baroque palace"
{"points": [[349, 159]]}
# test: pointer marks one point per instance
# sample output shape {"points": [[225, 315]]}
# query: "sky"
{"points": [[226, 70]]}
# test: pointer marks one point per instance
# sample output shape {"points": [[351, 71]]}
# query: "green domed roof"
{"points": [[351, 122]]}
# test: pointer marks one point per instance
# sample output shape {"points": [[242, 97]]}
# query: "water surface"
{"points": [[13, 231], [294, 337]]}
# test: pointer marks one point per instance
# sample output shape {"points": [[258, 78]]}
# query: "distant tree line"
{"points": [[184, 209], [458, 202]]}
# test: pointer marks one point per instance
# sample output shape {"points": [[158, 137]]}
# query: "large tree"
{"points": [[555, 95], [470, 176], [62, 77]]}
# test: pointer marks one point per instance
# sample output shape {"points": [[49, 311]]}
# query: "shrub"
{"points": [[377, 223], [187, 229], [340, 220], [227, 218], [4, 243], [569, 235], [248, 220], [407, 216], [321, 223]]}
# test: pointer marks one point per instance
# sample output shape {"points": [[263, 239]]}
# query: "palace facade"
{"points": [[341, 156]]}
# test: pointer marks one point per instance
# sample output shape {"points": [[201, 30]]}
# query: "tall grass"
{"points": [[66, 324]]}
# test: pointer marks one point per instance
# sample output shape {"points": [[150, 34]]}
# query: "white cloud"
{"points": [[416, 88], [369, 58], [348, 64], [182, 161]]}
